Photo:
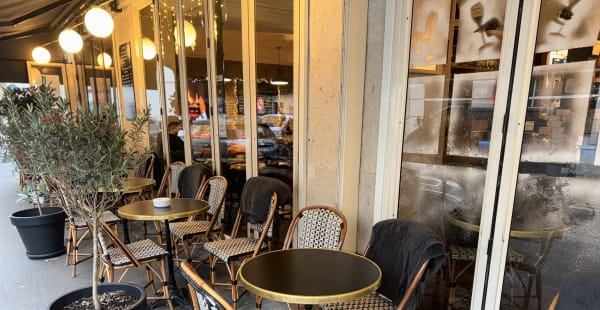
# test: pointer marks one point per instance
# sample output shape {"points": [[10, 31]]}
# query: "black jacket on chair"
{"points": [[400, 247], [190, 179], [256, 197]]}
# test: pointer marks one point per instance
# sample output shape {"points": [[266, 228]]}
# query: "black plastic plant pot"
{"points": [[130, 288], [43, 235]]}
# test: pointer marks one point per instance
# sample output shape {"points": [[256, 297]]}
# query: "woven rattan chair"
{"points": [[193, 231], [258, 206], [78, 230], [404, 250], [203, 296], [184, 182], [320, 227], [117, 255], [169, 183]]}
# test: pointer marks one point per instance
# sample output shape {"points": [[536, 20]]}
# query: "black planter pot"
{"points": [[130, 288], [43, 235]]}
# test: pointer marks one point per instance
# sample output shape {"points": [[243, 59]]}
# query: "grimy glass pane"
{"points": [[274, 88], [169, 46], [227, 28], [148, 48], [197, 82], [554, 227], [454, 60]]}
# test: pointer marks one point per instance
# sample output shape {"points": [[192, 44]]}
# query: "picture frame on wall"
{"points": [[127, 86]]}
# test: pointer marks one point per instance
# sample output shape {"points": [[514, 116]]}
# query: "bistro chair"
{"points": [[203, 296], [188, 184], [258, 205], [191, 180], [78, 229], [320, 227], [405, 251], [146, 168], [169, 183], [193, 231], [117, 255]]}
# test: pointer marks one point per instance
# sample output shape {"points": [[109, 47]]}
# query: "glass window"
{"points": [[454, 60]]}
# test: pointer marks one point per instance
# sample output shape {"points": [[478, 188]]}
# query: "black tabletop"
{"points": [[310, 276]]}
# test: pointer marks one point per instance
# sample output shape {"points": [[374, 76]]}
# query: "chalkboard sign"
{"points": [[127, 81]]}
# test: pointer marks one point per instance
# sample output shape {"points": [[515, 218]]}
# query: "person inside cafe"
{"points": [[175, 143]]}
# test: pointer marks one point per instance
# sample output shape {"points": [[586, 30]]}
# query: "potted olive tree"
{"points": [[85, 154], [41, 228]]}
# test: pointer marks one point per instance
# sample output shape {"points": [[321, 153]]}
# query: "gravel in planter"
{"points": [[116, 300]]}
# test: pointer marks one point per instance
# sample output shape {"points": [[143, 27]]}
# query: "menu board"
{"points": [[127, 81]]}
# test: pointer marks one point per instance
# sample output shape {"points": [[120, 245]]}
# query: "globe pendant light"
{"points": [[40, 55], [189, 34], [104, 60], [99, 22], [70, 41], [148, 49]]}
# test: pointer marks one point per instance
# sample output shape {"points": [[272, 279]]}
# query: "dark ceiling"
{"points": [[25, 18]]}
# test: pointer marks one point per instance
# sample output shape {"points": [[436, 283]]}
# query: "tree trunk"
{"points": [[95, 265]]}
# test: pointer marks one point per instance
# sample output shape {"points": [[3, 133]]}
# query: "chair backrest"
{"points": [[256, 196], [318, 227], [264, 229], [174, 169], [404, 250], [216, 187], [202, 294], [191, 180], [170, 179]]}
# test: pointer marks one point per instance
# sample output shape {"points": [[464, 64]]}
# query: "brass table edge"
{"points": [[155, 217], [311, 300], [514, 233]]}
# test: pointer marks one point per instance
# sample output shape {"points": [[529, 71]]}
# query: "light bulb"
{"points": [[99, 22], [104, 60], [40, 55], [148, 49], [70, 41]]}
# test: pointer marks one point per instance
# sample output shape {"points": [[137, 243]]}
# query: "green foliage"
{"points": [[83, 154], [84, 151]]}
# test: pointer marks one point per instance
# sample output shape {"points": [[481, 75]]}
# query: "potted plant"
{"points": [[83, 152], [42, 228]]}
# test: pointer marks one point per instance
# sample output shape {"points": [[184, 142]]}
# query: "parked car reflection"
{"points": [[233, 147]]}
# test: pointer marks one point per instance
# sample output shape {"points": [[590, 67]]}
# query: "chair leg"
{"points": [[150, 280], [212, 261], [233, 278], [69, 245], [258, 302], [166, 293]]}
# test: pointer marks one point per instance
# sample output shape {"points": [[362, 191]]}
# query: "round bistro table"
{"points": [[178, 208], [310, 276]]}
